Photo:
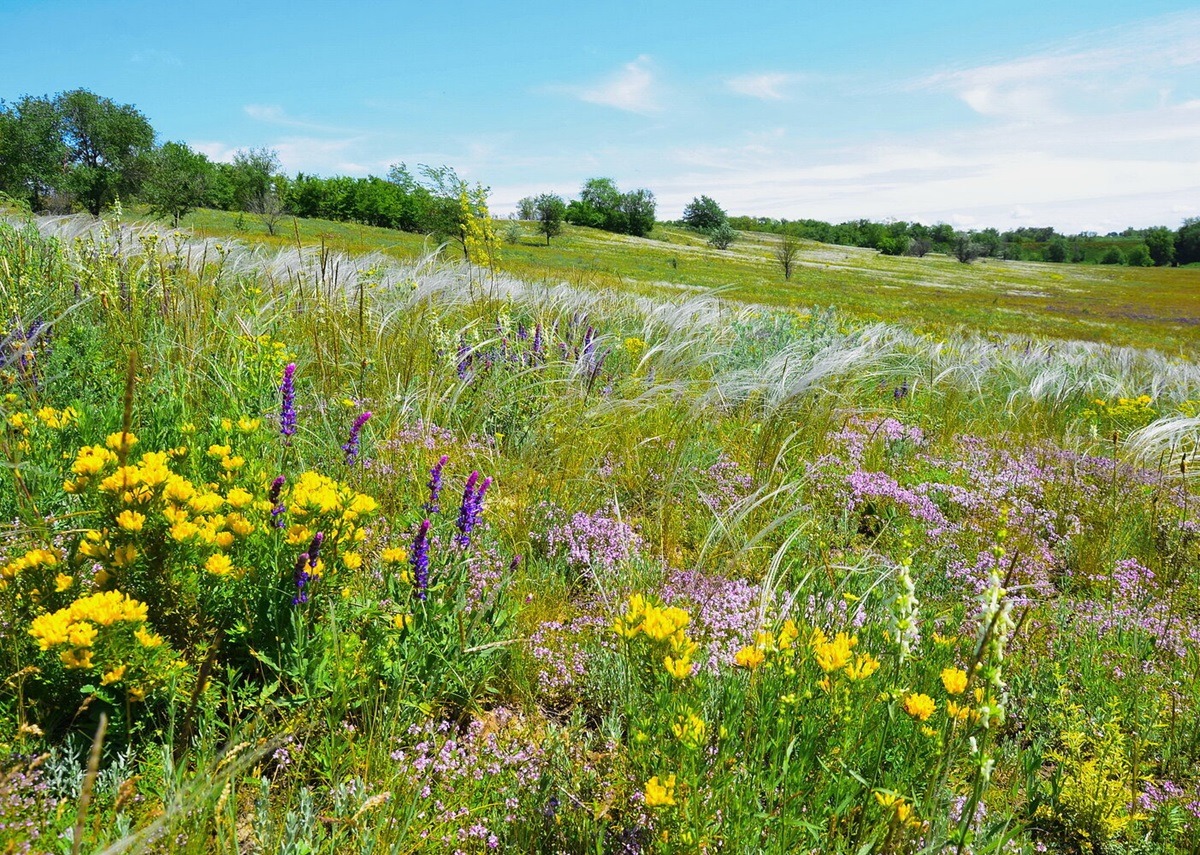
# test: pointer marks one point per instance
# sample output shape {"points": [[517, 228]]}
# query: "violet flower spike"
{"points": [[472, 508], [279, 508], [301, 577], [419, 559], [352, 442], [287, 411], [314, 549], [435, 485]]}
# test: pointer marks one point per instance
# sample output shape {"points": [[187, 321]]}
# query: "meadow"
{"points": [[323, 543]]}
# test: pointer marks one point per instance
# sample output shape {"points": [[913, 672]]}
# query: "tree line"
{"points": [[79, 151]]}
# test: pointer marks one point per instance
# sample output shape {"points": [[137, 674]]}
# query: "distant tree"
{"points": [[527, 208], [988, 241], [106, 147], [32, 151], [919, 246], [892, 244], [638, 206], [255, 178], [1112, 255], [722, 236], [786, 252], [942, 235], [1161, 243], [177, 181], [513, 232], [1187, 241], [1056, 251], [704, 214], [965, 248], [549, 210], [601, 194], [1010, 250], [1139, 256]]}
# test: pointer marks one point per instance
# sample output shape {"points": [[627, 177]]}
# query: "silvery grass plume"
{"points": [[1171, 445]]}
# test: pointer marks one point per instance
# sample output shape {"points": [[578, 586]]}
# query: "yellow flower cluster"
{"points": [[76, 626], [30, 560], [664, 626], [660, 793], [919, 706], [835, 654], [689, 729]]}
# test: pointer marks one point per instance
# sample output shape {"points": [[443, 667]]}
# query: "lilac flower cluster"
{"points": [[725, 485], [498, 753], [591, 543], [560, 653], [287, 410], [725, 612], [471, 510], [351, 448], [25, 804]]}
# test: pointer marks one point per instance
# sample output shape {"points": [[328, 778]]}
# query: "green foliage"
{"points": [[179, 180], [32, 150], [1161, 243], [602, 206], [1112, 255], [549, 211], [722, 236], [704, 214], [1139, 256], [1056, 251]]}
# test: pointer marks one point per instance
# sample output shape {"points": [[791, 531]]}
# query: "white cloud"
{"points": [[765, 87], [218, 152], [273, 114], [633, 88]]}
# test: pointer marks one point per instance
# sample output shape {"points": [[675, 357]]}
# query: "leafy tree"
{"points": [[1161, 243], [177, 182], [893, 245], [32, 151], [1112, 256], [549, 210], [704, 214], [942, 235], [919, 246], [722, 236], [252, 176], [966, 249], [638, 207], [106, 147], [1139, 256], [1056, 251], [527, 208], [1187, 241], [786, 253]]}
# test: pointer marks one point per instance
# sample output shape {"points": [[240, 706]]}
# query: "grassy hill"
{"points": [[1141, 307]]}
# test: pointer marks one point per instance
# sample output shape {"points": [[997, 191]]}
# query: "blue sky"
{"points": [[1082, 115]]}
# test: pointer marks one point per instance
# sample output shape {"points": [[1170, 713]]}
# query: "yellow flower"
{"points": [[402, 621], [248, 425], [62, 581], [352, 560], [394, 555], [131, 520], [121, 442], [147, 639], [863, 667], [184, 530], [660, 793], [788, 634], [125, 555], [832, 655], [239, 498], [680, 668], [76, 659], [689, 729], [219, 451], [919, 706], [232, 464], [218, 564], [113, 676], [749, 657], [955, 680]]}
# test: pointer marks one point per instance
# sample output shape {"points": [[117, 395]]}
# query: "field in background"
{"points": [[1140, 307]]}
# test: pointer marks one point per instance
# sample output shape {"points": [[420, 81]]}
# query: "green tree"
{"points": [[638, 206], [177, 182], [1187, 241], [1161, 242], [966, 249], [549, 210], [527, 208], [31, 150], [704, 214], [1112, 255], [1056, 251], [259, 187], [722, 236], [1139, 256], [106, 147], [786, 253]]}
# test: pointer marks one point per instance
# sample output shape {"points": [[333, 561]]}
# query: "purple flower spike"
{"points": [[279, 508], [314, 549], [472, 507], [435, 485], [287, 412], [420, 560], [301, 577], [351, 446]]}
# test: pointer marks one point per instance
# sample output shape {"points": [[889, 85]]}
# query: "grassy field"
{"points": [[1138, 307], [314, 547]]}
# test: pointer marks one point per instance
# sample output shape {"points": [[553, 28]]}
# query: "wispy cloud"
{"points": [[765, 87], [273, 114], [634, 88]]}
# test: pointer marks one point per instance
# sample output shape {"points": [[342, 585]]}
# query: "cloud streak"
{"points": [[633, 88]]}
